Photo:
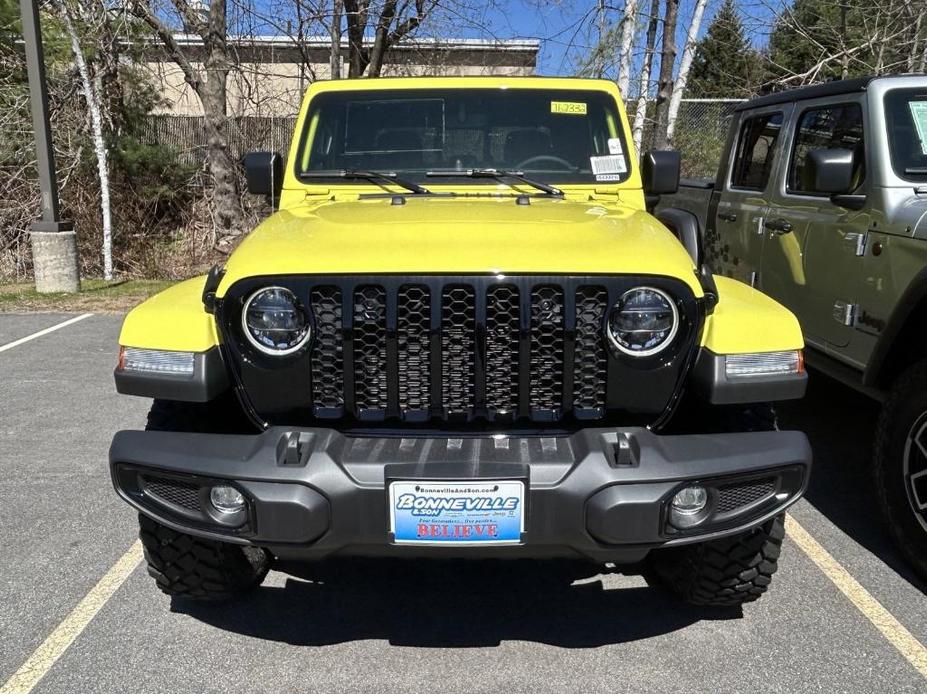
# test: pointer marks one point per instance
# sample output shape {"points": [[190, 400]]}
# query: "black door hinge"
{"points": [[215, 275]]}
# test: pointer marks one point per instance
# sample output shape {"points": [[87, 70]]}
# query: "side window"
{"points": [[756, 149], [829, 127]]}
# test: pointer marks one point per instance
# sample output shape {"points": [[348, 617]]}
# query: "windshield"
{"points": [[906, 121], [549, 135]]}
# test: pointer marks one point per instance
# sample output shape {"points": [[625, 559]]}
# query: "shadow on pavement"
{"points": [[841, 426], [452, 604]]}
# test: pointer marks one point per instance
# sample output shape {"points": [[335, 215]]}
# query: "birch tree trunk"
{"points": [[637, 132], [92, 97], [626, 47], [682, 78], [667, 63]]}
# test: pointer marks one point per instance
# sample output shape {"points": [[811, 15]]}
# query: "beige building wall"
{"points": [[270, 80]]}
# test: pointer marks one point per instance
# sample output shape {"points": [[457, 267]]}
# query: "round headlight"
{"points": [[274, 321], [643, 322]]}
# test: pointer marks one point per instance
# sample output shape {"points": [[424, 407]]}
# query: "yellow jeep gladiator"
{"points": [[462, 335]]}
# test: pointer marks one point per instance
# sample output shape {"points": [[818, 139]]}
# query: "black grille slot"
{"points": [[739, 494], [502, 334], [370, 347], [413, 337], [590, 360], [183, 494], [327, 360], [546, 390], [458, 332]]}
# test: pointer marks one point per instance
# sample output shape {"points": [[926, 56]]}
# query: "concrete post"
{"points": [[54, 243]]}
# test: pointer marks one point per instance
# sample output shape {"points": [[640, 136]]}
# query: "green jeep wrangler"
{"points": [[462, 335], [821, 202]]}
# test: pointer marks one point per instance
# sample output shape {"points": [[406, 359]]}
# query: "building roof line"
{"points": [[284, 41]]}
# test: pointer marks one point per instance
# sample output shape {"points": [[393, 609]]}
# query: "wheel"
{"points": [[197, 569], [727, 572], [900, 465], [187, 566]]}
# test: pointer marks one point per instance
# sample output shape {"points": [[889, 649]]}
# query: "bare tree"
{"points": [[396, 20], [90, 87], [335, 30], [640, 115], [682, 76], [667, 63], [209, 83], [626, 47]]}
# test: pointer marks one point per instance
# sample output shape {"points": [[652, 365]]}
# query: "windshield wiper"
{"points": [[499, 175], [374, 176]]}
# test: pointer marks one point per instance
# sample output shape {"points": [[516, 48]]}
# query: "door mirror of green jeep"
{"points": [[660, 172], [264, 173], [831, 170]]}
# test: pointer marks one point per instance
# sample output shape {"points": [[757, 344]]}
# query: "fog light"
{"points": [[226, 499], [688, 507]]}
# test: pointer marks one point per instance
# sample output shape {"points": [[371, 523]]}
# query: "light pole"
{"points": [[54, 243]]}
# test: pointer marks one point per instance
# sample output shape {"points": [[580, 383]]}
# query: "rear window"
{"points": [[756, 148], [906, 122]]}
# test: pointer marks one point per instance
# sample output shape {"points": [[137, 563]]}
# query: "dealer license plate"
{"points": [[457, 513]]}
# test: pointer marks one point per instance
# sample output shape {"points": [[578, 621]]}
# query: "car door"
{"points": [[738, 247], [813, 249]]}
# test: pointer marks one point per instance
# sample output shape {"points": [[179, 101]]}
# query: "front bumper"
{"points": [[598, 493]]}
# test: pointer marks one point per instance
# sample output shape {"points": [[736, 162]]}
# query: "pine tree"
{"points": [[725, 65]]}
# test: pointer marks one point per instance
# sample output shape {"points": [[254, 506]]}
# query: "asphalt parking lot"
{"points": [[844, 614]]}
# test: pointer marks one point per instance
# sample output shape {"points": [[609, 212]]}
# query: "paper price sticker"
{"points": [[572, 108]]}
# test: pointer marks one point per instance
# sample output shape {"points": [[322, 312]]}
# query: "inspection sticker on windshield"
{"points": [[919, 114], [572, 108], [457, 513], [608, 167], [614, 145]]}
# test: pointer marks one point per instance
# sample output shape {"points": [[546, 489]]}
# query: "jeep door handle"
{"points": [[727, 216], [779, 226]]}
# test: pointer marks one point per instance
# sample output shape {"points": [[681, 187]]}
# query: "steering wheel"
{"points": [[567, 166]]}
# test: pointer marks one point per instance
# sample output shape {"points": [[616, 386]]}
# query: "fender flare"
{"points": [[687, 229], [914, 296]]}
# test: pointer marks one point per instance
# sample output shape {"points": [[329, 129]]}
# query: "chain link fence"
{"points": [[701, 129]]}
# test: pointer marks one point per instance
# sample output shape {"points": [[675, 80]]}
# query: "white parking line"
{"points": [[46, 655], [883, 620], [17, 343]]}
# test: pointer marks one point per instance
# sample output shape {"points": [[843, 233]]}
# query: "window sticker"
{"points": [[609, 167], [614, 145], [571, 108], [919, 114]]}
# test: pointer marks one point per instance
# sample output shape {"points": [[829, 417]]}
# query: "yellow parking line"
{"points": [[17, 343], [41, 661], [883, 620]]}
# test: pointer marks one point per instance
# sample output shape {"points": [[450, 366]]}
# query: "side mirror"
{"points": [[264, 173], [830, 170], [660, 172]]}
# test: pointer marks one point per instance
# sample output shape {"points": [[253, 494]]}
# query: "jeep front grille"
{"points": [[486, 349]]}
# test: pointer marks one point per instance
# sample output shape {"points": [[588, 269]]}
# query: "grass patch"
{"points": [[95, 296]]}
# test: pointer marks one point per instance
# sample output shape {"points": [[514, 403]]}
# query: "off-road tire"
{"points": [[189, 567], [727, 572], [906, 403]]}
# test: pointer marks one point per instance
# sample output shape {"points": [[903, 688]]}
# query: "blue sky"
{"points": [[567, 27]]}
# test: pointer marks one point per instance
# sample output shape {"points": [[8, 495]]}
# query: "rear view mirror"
{"points": [[264, 173], [831, 170], [660, 172]]}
